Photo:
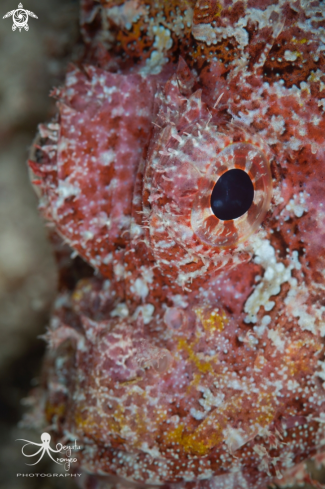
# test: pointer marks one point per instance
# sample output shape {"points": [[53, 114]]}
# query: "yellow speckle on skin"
{"points": [[198, 442], [94, 422], [124, 421], [315, 78], [209, 433], [196, 380], [260, 362], [312, 77], [83, 287], [297, 356], [219, 10], [90, 426], [299, 41], [52, 410], [202, 365], [297, 53], [266, 410], [131, 381], [211, 320]]}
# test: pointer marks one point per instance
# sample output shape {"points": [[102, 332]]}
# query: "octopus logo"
{"points": [[45, 447], [20, 18]]}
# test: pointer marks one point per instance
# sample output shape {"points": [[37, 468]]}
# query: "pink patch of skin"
{"points": [[105, 122], [186, 361]]}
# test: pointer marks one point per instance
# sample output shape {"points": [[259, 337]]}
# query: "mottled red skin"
{"points": [[182, 363]]}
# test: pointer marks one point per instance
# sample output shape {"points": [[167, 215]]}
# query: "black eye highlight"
{"points": [[232, 195]]}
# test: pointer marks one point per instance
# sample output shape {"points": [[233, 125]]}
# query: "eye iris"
{"points": [[232, 195], [247, 196]]}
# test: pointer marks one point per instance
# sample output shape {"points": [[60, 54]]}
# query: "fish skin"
{"points": [[184, 362]]}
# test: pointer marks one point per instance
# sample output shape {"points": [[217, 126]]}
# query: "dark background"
{"points": [[31, 63]]}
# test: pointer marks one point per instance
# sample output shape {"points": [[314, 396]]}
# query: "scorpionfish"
{"points": [[183, 182]]}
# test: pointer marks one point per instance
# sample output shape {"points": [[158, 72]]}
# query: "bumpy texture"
{"points": [[194, 356]]}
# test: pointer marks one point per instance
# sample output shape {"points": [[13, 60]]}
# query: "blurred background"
{"points": [[31, 64]]}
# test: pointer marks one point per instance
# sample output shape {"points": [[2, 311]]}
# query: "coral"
{"points": [[194, 357]]}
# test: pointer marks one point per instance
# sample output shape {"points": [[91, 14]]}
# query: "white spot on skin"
{"points": [[208, 34], [146, 310], [119, 271], [197, 414], [204, 32], [322, 373], [163, 39], [71, 79], [290, 55], [310, 318], [163, 42], [259, 330], [101, 220], [321, 103], [108, 259], [302, 131], [154, 64], [180, 22], [269, 273], [86, 235], [209, 400], [179, 301], [140, 288], [126, 14], [316, 120], [269, 306], [147, 274], [270, 285], [297, 205], [234, 438], [154, 452], [276, 339], [121, 311], [65, 190], [278, 124], [262, 17], [294, 144]]}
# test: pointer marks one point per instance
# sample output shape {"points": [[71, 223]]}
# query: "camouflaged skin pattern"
{"points": [[193, 357]]}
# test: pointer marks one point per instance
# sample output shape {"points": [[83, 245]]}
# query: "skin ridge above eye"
{"points": [[185, 351]]}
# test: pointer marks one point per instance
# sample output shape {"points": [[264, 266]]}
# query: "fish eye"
{"points": [[232, 195]]}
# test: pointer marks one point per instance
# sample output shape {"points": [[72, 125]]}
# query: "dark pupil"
{"points": [[232, 195]]}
